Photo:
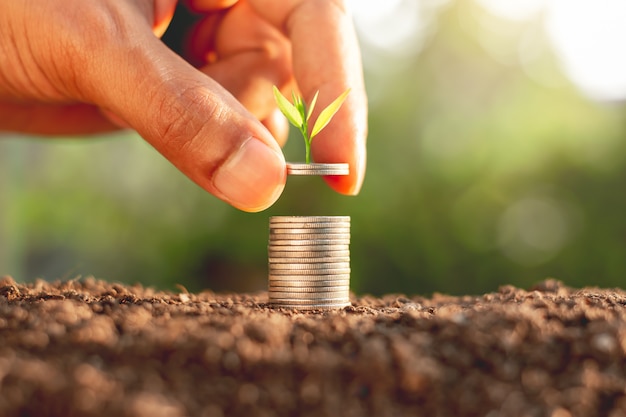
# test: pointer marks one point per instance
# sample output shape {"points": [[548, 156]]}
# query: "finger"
{"points": [[278, 126], [247, 56], [326, 57], [163, 13], [210, 5], [186, 116]]}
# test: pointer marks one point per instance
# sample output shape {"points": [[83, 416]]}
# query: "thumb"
{"points": [[189, 118]]}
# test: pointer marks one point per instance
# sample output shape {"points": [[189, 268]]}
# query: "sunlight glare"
{"points": [[586, 36], [513, 9], [589, 39], [396, 26], [380, 24]]}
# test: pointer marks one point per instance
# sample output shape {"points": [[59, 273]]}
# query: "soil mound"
{"points": [[92, 348]]}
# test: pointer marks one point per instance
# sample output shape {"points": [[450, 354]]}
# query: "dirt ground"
{"points": [[92, 348]]}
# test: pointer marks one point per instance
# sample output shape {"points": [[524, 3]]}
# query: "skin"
{"points": [[89, 66]]}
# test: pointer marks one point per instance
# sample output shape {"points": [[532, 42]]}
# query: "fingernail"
{"points": [[252, 178]]}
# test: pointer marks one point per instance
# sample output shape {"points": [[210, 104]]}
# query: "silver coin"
{"points": [[302, 295], [307, 260], [316, 172], [305, 251], [286, 227], [310, 254], [323, 307], [309, 242], [321, 271], [343, 289], [311, 235], [319, 301], [337, 278], [308, 248], [308, 275], [280, 293], [286, 256], [312, 297], [296, 300], [341, 237], [313, 266], [304, 275], [309, 303], [319, 266], [296, 283], [303, 284], [310, 271], [287, 241], [284, 295], [304, 231], [318, 169], [309, 289], [308, 219]]}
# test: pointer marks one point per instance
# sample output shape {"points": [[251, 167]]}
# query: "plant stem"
{"points": [[307, 141], [307, 155]]}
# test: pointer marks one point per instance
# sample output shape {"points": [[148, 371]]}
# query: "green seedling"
{"points": [[298, 115]]}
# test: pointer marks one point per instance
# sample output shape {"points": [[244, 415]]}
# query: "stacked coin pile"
{"points": [[309, 262]]}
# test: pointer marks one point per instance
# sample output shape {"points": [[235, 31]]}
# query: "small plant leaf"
{"points": [[289, 110], [324, 118], [312, 106]]}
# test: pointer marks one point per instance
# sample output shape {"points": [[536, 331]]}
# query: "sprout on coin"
{"points": [[298, 115]]}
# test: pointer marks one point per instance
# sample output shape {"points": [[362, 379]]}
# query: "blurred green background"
{"points": [[492, 161]]}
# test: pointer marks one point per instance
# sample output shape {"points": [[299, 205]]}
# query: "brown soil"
{"points": [[91, 348]]}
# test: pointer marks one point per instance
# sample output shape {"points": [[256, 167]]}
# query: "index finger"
{"points": [[326, 57]]}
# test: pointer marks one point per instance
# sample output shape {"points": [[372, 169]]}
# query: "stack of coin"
{"points": [[309, 262]]}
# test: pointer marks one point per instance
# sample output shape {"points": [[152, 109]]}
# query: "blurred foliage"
{"points": [[486, 167]]}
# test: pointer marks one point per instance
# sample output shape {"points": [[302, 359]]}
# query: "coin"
{"points": [[307, 260], [308, 219], [309, 242], [312, 291], [309, 254], [278, 243], [308, 248], [337, 278], [308, 289], [309, 227], [308, 274], [309, 230], [319, 266], [334, 237], [322, 307], [299, 284], [287, 294], [275, 295], [304, 302], [320, 272], [318, 169]]}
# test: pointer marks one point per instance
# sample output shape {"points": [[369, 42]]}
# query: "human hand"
{"points": [[84, 66]]}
